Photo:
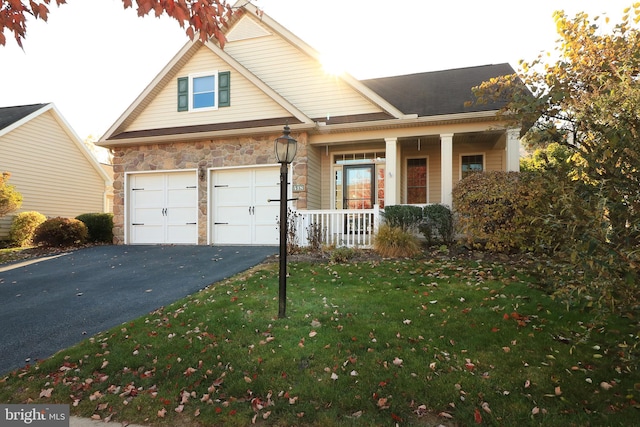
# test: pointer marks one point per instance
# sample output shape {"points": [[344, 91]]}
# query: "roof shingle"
{"points": [[10, 115], [438, 92]]}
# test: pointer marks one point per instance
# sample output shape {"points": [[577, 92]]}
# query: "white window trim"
{"points": [[406, 177], [484, 162], [215, 94]]}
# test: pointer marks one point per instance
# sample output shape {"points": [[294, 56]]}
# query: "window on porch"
{"points": [[470, 164]]}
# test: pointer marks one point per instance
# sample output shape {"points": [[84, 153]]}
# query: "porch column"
{"points": [[513, 150], [392, 178], [446, 168]]}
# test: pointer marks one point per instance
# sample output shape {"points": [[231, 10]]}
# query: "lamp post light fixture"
{"points": [[285, 147]]}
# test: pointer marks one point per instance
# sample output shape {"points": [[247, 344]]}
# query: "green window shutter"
{"points": [[183, 93], [224, 89]]}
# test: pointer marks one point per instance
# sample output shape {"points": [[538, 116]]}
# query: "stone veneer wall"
{"points": [[200, 155]]}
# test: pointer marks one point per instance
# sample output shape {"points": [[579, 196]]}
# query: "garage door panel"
{"points": [[164, 208], [229, 234], [240, 201], [266, 234], [232, 196], [182, 234], [147, 233], [146, 182]]}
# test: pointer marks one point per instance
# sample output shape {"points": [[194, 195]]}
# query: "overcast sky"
{"points": [[93, 58]]}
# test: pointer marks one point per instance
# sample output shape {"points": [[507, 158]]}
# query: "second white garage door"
{"points": [[241, 213]]}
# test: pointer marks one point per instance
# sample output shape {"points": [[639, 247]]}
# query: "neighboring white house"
{"points": [[49, 165], [194, 159]]}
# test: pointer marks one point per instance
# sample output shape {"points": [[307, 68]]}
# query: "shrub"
{"points": [[99, 225], [405, 217], [61, 232], [437, 224], [505, 211], [24, 226], [394, 242], [342, 254]]}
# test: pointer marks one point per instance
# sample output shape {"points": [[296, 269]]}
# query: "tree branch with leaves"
{"points": [[203, 19]]}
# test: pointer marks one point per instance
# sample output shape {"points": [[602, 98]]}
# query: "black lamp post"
{"points": [[285, 147]]}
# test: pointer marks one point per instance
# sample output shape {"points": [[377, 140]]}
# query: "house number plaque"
{"points": [[298, 187]]}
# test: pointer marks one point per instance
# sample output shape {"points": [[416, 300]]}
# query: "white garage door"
{"points": [[241, 213], [163, 208]]}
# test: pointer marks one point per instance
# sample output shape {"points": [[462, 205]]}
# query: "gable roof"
{"points": [[438, 92], [12, 115]]}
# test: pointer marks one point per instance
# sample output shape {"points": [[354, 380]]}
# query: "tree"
{"points": [[204, 18], [10, 199], [588, 100]]}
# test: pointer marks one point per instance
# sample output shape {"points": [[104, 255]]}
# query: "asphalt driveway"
{"points": [[55, 303]]}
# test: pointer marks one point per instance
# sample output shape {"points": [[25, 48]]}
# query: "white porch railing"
{"points": [[339, 227]]}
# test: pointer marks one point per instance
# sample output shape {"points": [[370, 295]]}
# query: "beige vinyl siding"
{"points": [[50, 171], [299, 78], [247, 101], [314, 173]]}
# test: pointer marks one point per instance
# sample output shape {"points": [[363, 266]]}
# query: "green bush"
{"points": [[23, 227], [61, 232], [405, 217], [505, 211], [394, 242], [342, 254], [437, 224], [100, 226]]}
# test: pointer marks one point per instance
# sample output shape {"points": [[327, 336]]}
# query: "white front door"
{"points": [[241, 213], [163, 208]]}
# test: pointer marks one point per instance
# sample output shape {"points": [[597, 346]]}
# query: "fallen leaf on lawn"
{"points": [[605, 385], [197, 412], [334, 376], [477, 416], [527, 384], [162, 412], [397, 361], [312, 334], [445, 415], [315, 323], [293, 400], [382, 403], [46, 392], [96, 417], [266, 415], [485, 407], [356, 414], [103, 406], [179, 409], [558, 391], [535, 411], [406, 321], [105, 364]]}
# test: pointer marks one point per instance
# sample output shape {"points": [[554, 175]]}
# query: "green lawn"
{"points": [[412, 342]]}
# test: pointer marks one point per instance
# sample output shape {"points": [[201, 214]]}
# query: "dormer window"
{"points": [[204, 91]]}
